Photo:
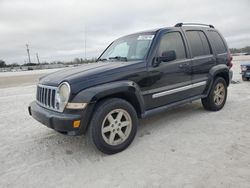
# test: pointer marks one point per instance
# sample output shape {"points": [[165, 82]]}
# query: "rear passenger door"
{"points": [[202, 59]]}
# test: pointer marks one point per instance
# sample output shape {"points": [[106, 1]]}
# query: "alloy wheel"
{"points": [[219, 94], [116, 127]]}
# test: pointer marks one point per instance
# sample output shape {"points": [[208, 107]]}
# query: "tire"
{"points": [[215, 102], [113, 126], [244, 78]]}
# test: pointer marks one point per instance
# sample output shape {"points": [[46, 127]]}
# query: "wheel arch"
{"points": [[223, 75], [127, 96], [126, 90], [220, 71]]}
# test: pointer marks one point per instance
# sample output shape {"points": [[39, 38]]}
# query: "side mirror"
{"points": [[165, 57]]}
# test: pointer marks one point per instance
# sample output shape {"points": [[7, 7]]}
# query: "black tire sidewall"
{"points": [[96, 124]]}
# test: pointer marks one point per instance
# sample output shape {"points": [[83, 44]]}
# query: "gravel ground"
{"points": [[183, 147]]}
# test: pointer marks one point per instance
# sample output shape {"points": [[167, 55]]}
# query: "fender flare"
{"points": [[218, 69], [95, 93], [221, 68]]}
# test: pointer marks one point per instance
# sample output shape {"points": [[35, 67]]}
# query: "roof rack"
{"points": [[196, 24]]}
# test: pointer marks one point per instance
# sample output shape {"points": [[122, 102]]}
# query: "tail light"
{"points": [[230, 59]]}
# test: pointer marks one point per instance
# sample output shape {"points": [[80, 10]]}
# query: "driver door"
{"points": [[170, 80]]}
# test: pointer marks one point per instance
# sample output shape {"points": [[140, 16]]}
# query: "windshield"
{"points": [[129, 48]]}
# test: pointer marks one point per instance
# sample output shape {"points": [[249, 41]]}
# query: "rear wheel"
{"points": [[217, 95], [113, 126]]}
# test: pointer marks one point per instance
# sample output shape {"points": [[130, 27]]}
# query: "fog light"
{"points": [[76, 124]]}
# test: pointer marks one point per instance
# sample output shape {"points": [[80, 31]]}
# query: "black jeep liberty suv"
{"points": [[136, 76]]}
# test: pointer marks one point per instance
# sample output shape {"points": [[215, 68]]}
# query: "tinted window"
{"points": [[217, 42], [198, 43], [205, 44], [172, 42]]}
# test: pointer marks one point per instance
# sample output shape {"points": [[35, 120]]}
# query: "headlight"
{"points": [[62, 96], [64, 92], [243, 68]]}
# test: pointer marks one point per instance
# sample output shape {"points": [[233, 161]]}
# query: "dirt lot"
{"points": [[183, 147]]}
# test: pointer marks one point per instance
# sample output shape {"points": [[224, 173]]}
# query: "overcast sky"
{"points": [[56, 28]]}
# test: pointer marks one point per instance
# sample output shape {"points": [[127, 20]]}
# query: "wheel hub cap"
{"points": [[116, 127], [219, 94]]}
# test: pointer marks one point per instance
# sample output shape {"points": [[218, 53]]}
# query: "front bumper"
{"points": [[61, 122], [245, 74]]}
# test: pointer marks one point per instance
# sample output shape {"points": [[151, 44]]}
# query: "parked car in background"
{"points": [[245, 71], [136, 76]]}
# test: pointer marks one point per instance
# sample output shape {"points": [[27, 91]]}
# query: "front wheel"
{"points": [[217, 95], [113, 125]]}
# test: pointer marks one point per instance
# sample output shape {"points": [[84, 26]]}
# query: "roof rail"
{"points": [[196, 24]]}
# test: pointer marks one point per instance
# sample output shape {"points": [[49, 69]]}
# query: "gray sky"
{"points": [[55, 28]]}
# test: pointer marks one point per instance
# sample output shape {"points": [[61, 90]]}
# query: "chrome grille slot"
{"points": [[45, 96]]}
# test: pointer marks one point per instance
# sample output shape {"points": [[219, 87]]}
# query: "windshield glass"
{"points": [[129, 48]]}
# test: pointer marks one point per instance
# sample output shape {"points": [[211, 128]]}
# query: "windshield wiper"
{"points": [[103, 59], [119, 58]]}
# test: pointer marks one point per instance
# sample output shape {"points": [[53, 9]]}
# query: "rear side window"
{"points": [[217, 42], [172, 42], [198, 43]]}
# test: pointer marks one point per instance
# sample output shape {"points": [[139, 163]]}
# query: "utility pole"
{"points": [[28, 51], [37, 58], [85, 42]]}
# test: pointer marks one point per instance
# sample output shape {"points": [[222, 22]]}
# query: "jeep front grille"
{"points": [[45, 96]]}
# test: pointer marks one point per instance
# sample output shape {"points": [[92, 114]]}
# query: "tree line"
{"points": [[245, 50], [3, 64]]}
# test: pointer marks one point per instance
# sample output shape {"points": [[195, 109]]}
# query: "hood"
{"points": [[245, 64], [83, 72]]}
